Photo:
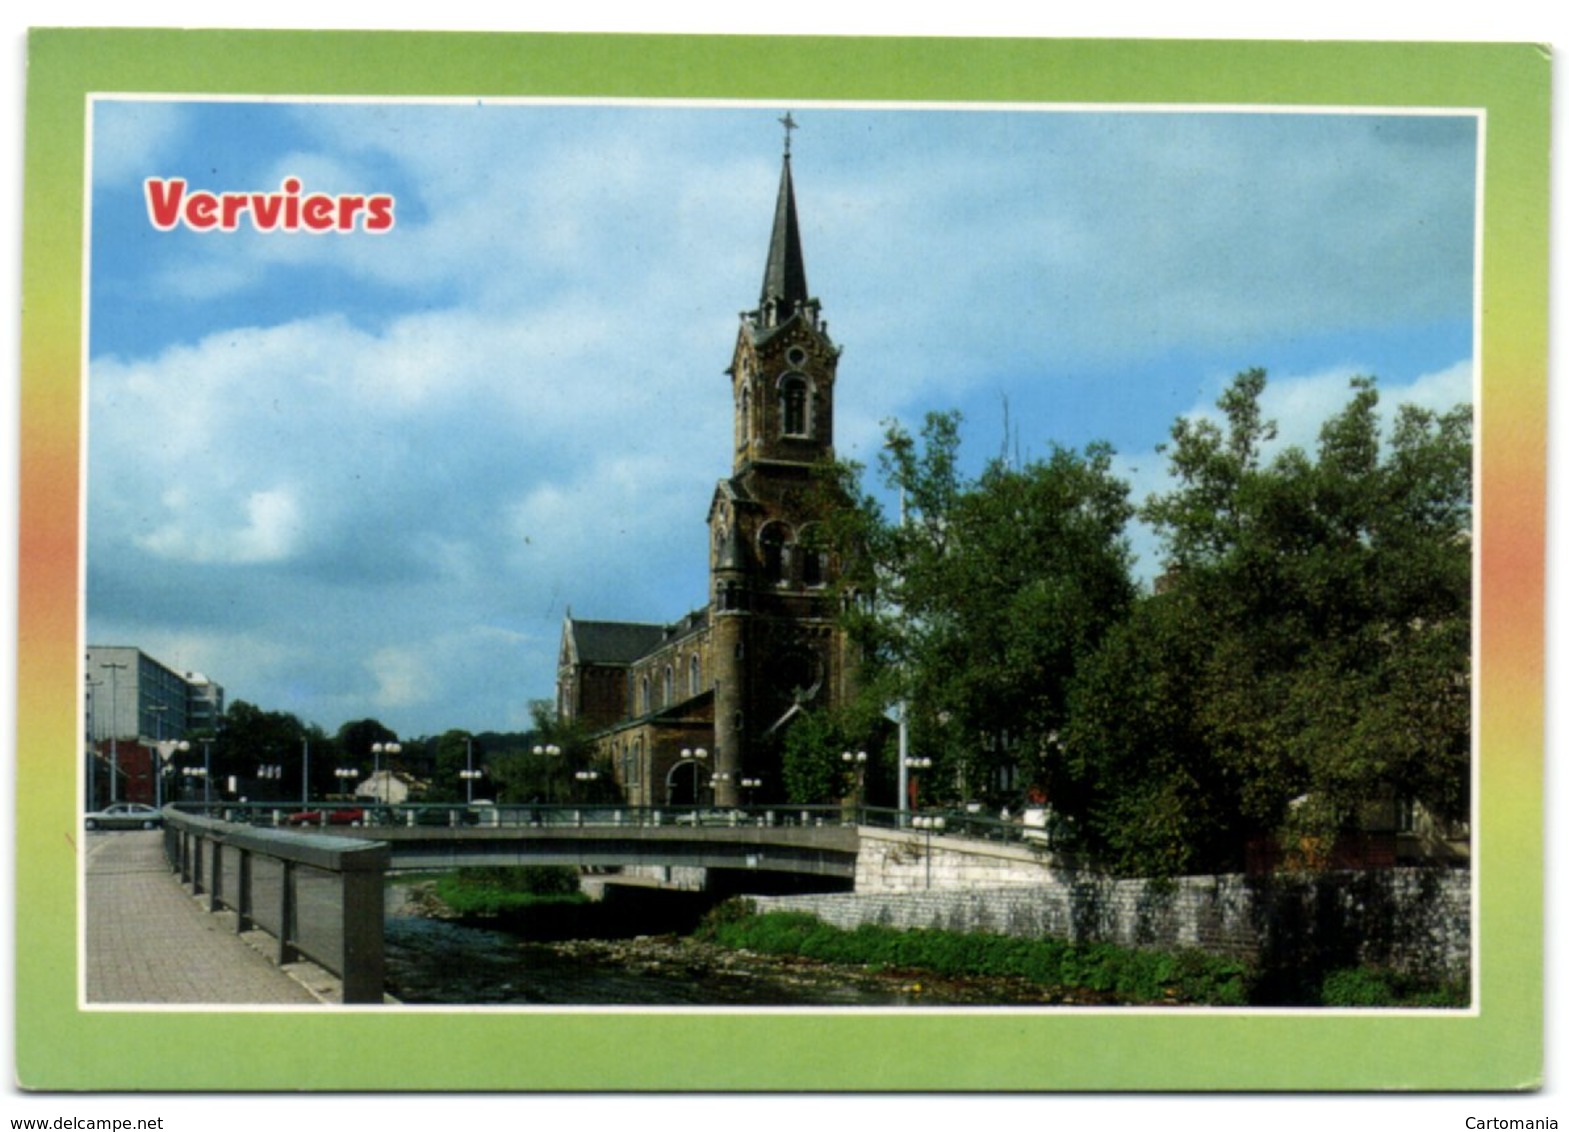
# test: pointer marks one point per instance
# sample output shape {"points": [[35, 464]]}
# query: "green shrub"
{"points": [[492, 891], [1127, 975]]}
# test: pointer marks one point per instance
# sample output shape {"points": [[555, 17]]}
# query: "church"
{"points": [[692, 712]]}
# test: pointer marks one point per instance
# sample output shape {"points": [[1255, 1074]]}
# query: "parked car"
{"points": [[124, 815], [334, 817]]}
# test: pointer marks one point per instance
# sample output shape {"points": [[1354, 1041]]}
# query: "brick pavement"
{"points": [[150, 941]]}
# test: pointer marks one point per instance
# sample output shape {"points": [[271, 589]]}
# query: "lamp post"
{"points": [[192, 772], [856, 762], [552, 752], [92, 744], [468, 773], [751, 786], [270, 772], [586, 777], [157, 767], [930, 824], [379, 749], [697, 756], [343, 774], [114, 728], [922, 762]]}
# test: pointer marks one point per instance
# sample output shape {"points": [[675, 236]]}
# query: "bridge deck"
{"points": [[816, 850], [148, 941]]}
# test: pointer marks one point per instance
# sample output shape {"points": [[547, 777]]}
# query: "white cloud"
{"points": [[131, 138], [269, 532]]}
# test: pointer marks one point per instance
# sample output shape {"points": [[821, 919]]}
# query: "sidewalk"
{"points": [[149, 941]]}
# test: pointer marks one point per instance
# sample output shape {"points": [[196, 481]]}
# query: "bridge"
{"points": [[314, 879]]}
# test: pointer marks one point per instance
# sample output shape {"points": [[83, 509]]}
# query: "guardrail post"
{"points": [[286, 950], [362, 895], [215, 889], [242, 906]]}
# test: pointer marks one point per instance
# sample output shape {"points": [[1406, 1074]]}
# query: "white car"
{"points": [[125, 815]]}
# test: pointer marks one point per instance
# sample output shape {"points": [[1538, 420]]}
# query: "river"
{"points": [[435, 961]]}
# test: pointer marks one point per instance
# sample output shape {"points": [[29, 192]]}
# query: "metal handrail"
{"points": [[957, 822], [198, 846]]}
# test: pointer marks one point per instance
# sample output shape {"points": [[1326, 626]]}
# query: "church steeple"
{"points": [[782, 372], [784, 278]]}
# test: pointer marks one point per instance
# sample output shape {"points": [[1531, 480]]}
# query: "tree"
{"points": [[1309, 653], [989, 590]]}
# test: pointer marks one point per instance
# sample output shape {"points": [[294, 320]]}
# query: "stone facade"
{"points": [[687, 712]]}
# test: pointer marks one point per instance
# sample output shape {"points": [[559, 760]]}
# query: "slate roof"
{"points": [[784, 279], [623, 642], [614, 642]]}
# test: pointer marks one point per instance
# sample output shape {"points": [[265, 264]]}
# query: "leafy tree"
{"points": [[530, 774], [989, 591], [1309, 652], [813, 747]]}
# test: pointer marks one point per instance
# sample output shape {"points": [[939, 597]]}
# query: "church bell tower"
{"points": [[776, 645]]}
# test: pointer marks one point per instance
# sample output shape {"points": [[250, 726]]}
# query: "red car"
{"points": [[334, 817]]}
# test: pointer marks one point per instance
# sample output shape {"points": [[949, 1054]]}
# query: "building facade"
{"points": [[136, 707], [692, 711]]}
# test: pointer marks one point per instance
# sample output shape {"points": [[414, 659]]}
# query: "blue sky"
{"points": [[358, 475]]}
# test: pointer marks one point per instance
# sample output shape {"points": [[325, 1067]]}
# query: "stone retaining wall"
{"points": [[1405, 919]]}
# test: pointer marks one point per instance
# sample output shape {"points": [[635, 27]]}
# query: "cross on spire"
{"points": [[789, 124]]}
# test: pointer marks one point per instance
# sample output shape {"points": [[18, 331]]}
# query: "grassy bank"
{"points": [[1107, 972], [504, 891]]}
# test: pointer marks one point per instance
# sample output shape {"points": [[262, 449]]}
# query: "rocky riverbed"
{"points": [[487, 966]]}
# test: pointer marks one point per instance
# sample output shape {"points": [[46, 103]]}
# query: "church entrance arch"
{"points": [[684, 783]]}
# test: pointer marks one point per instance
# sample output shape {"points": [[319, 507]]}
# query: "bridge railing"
{"points": [[318, 897], [1027, 828]]}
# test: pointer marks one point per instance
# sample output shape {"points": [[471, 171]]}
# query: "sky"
{"points": [[356, 475]]}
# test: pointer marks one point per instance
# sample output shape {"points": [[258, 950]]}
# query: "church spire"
{"points": [[784, 279]]}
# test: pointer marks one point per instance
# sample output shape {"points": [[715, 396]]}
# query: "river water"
{"points": [[438, 961]]}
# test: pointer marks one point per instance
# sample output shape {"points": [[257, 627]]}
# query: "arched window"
{"points": [[814, 560], [745, 423], [695, 676], [647, 705], [792, 405], [670, 687], [772, 542]]}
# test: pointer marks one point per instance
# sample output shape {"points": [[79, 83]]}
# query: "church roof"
{"points": [[784, 279], [614, 642]]}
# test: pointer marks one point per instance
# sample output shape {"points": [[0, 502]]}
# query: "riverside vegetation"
{"points": [[545, 903]]}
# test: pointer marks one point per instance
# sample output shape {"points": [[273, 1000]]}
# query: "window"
{"points": [[792, 404], [771, 543], [695, 676], [670, 688]]}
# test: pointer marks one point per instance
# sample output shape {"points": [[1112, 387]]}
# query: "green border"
{"points": [[59, 1047]]}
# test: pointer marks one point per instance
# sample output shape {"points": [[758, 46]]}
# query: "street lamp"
{"points": [[856, 761], [696, 755], [379, 749], [551, 751], [157, 768], [930, 824], [200, 772], [751, 786], [163, 752], [343, 774], [922, 762], [114, 727], [468, 773], [92, 744]]}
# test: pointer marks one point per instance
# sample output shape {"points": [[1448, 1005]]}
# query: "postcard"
{"points": [[700, 557]]}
